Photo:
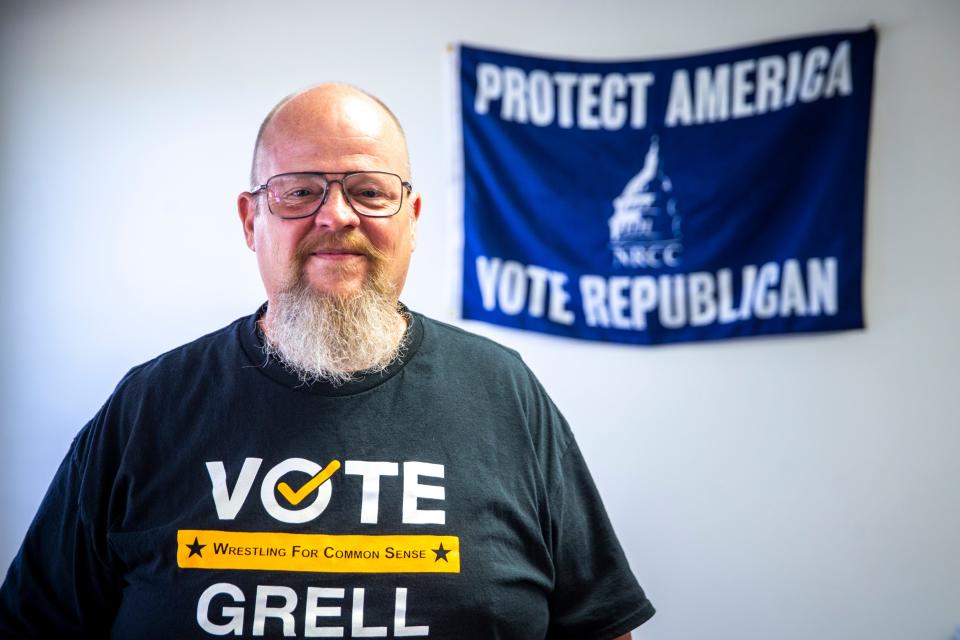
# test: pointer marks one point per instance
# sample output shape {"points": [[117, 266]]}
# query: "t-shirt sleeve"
{"points": [[60, 584], [596, 596]]}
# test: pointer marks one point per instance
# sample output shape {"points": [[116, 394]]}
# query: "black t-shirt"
{"points": [[213, 494]]}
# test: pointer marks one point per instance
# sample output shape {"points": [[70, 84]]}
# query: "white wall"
{"points": [[793, 488]]}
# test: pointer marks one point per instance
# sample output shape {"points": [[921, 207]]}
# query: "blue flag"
{"points": [[696, 198]]}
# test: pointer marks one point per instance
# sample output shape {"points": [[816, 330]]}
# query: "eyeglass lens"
{"points": [[370, 193]]}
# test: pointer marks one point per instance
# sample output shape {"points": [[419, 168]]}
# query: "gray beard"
{"points": [[335, 338]]}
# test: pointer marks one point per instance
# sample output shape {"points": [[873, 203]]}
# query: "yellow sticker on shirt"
{"points": [[317, 552]]}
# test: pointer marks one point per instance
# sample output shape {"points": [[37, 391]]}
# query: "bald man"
{"points": [[335, 464]]}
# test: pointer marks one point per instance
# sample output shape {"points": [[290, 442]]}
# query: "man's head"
{"points": [[335, 262]]}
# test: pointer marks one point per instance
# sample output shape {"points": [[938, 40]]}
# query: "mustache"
{"points": [[348, 241]]}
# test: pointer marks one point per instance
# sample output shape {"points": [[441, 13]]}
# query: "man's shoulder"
{"points": [[497, 375], [189, 361], [162, 385], [460, 355], [463, 342]]}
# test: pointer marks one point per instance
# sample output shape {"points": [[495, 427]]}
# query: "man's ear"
{"points": [[247, 208], [416, 201]]}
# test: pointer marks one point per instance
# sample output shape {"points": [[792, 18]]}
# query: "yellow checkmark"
{"points": [[296, 497]]}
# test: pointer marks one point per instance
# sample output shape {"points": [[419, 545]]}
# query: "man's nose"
{"points": [[335, 212]]}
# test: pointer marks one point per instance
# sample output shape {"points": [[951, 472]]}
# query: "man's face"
{"points": [[336, 251]]}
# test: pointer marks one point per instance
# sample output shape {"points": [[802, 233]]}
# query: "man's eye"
{"points": [[367, 192], [299, 193]]}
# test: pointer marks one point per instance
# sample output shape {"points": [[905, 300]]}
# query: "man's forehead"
{"points": [[332, 111], [333, 117]]}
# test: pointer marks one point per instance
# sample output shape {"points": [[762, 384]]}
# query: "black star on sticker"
{"points": [[195, 548], [441, 553]]}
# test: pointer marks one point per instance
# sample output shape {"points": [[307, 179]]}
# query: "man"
{"points": [[334, 465]]}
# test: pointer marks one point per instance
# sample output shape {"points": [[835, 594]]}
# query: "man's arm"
{"points": [[59, 584], [595, 592]]}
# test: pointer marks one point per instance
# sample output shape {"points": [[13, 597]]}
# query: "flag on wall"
{"points": [[667, 200]]}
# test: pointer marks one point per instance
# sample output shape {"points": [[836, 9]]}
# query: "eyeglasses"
{"points": [[377, 194]]}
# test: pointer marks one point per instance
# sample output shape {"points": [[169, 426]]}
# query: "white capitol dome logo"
{"points": [[645, 225]]}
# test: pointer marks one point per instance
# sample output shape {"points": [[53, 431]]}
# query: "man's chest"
{"points": [[332, 528]]}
